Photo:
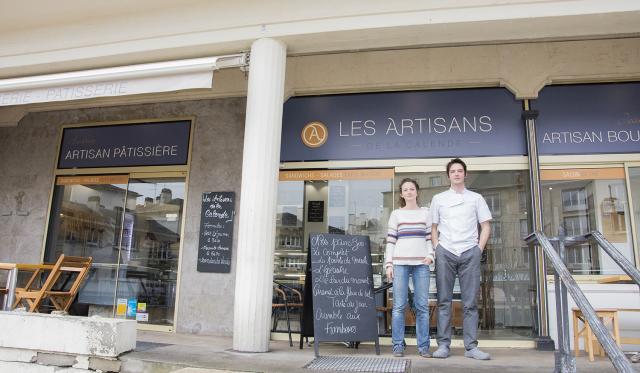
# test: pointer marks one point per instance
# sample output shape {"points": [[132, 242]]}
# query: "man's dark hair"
{"points": [[458, 161]]}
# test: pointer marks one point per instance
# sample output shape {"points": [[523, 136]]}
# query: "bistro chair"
{"points": [[56, 286], [287, 302]]}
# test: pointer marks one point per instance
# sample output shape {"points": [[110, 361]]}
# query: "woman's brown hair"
{"points": [[407, 180]]}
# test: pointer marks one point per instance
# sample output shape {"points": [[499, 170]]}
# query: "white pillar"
{"points": [[258, 196]]}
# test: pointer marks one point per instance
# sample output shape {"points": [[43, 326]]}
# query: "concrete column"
{"points": [[258, 198]]}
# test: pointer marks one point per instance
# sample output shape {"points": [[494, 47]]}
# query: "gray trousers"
{"points": [[467, 268]]}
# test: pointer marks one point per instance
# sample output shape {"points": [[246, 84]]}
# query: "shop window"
{"points": [[132, 230], [523, 200], [524, 228], [574, 199], [493, 201], [338, 206], [496, 232], [576, 225], [584, 200], [435, 181], [525, 257], [504, 302], [634, 184]]}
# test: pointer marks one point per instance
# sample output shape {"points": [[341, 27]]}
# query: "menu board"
{"points": [[216, 232], [315, 211], [342, 287]]}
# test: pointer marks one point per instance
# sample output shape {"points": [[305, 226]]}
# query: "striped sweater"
{"points": [[409, 237]]}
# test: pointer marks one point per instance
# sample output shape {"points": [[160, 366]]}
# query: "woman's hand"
{"points": [[428, 261], [390, 273]]}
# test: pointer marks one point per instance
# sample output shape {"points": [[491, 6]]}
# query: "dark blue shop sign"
{"points": [[588, 119], [125, 145], [419, 124]]}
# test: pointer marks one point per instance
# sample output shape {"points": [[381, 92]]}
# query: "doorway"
{"points": [[507, 301], [131, 224]]}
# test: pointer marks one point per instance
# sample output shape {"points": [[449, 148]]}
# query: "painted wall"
{"points": [[27, 157]]}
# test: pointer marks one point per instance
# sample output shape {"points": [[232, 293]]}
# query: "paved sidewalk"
{"points": [[180, 353]]}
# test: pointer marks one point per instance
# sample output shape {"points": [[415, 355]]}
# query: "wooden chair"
{"points": [[608, 316], [68, 269], [77, 269]]}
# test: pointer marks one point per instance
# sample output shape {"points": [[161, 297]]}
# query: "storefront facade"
{"points": [[229, 154], [134, 217], [329, 181]]}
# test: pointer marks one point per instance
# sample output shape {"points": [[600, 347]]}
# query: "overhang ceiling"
{"points": [[38, 37]]}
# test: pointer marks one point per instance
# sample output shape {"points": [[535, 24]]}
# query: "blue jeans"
{"points": [[420, 275]]}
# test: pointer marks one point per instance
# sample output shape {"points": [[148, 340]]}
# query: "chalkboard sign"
{"points": [[216, 232], [344, 307], [315, 211]]}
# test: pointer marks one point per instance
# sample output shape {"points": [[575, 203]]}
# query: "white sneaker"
{"points": [[441, 353], [476, 353]]}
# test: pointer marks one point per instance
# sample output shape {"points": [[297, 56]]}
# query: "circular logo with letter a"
{"points": [[314, 134]]}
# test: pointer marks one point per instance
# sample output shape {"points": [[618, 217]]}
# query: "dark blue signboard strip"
{"points": [[140, 144], [419, 124], [588, 119]]}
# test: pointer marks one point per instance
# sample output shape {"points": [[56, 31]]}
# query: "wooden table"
{"points": [[12, 279], [616, 279]]}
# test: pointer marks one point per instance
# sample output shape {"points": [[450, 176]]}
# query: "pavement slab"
{"points": [[183, 353]]}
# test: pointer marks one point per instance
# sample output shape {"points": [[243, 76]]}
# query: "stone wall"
{"points": [[27, 161]]}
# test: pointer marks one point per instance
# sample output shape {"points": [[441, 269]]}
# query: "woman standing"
{"points": [[409, 254]]}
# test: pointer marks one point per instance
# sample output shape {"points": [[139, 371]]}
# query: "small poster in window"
{"points": [[142, 307], [144, 317], [121, 308], [132, 306]]}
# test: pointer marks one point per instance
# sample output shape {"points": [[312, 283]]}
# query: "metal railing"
{"points": [[564, 283]]}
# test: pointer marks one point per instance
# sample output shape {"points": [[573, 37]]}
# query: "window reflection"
{"points": [[85, 221], [148, 270], [577, 202], [357, 207], [634, 183], [507, 297], [134, 243]]}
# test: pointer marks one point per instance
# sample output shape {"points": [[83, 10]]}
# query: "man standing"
{"points": [[456, 214]]}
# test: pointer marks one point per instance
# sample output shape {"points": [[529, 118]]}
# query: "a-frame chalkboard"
{"points": [[344, 307], [306, 325]]}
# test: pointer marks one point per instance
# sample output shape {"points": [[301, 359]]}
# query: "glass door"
{"points": [[131, 225], [353, 201], [507, 300], [151, 235]]}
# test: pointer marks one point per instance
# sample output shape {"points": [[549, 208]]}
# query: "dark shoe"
{"points": [[441, 353], [477, 354]]}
